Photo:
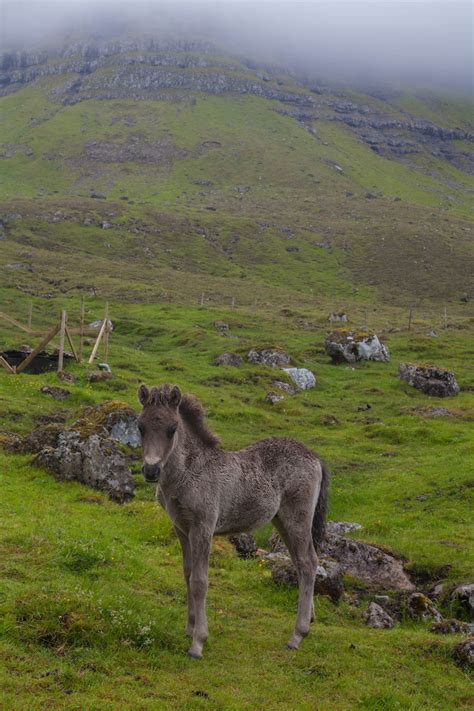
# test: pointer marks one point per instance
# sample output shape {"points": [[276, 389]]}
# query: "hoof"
{"points": [[290, 648], [193, 655]]}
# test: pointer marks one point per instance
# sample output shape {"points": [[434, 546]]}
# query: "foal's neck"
{"points": [[188, 454]]}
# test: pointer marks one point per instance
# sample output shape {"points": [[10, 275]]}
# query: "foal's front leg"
{"points": [[186, 549], [200, 542]]}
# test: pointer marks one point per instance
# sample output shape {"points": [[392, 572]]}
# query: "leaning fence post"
{"points": [[62, 333], [81, 330]]}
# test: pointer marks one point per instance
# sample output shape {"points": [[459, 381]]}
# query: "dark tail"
{"points": [[319, 518]]}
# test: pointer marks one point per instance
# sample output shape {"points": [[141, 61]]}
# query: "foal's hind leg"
{"points": [[298, 539]]}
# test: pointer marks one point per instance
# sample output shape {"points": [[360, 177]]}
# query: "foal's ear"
{"points": [[175, 396], [143, 394]]}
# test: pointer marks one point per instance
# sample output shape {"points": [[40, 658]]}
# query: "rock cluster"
{"points": [[304, 378], [430, 379]]}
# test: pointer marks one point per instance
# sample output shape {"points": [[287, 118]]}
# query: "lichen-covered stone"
{"points": [[93, 460], [420, 607], [346, 346]]}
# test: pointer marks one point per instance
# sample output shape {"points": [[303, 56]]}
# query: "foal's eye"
{"points": [[171, 431]]}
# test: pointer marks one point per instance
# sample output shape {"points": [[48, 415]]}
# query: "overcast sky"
{"points": [[408, 41]]}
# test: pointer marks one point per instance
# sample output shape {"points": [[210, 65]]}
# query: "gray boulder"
{"points": [[273, 357], [304, 378], [430, 379], [376, 617], [93, 460], [233, 359], [350, 346], [365, 562]]}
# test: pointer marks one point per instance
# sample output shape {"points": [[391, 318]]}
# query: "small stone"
{"points": [[106, 225], [245, 545], [55, 392], [464, 594], [233, 359], [286, 387], [99, 377], [376, 617], [221, 326], [273, 398], [304, 378], [464, 653]]}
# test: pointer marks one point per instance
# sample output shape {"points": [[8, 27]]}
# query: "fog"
{"points": [[397, 42]]}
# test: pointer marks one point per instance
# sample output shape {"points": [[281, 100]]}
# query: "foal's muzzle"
{"points": [[151, 472]]}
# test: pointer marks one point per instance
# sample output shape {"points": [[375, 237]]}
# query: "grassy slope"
{"points": [[93, 592], [91, 601]]}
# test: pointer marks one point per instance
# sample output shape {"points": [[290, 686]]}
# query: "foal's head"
{"points": [[158, 424]]}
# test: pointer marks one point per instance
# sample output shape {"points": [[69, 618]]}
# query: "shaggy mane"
{"points": [[193, 414]]}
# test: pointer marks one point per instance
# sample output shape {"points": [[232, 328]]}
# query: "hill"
{"points": [[169, 179]]}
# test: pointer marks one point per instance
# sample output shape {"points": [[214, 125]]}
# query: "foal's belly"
{"points": [[247, 517]]}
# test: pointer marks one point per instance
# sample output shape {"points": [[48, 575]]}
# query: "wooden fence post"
{"points": [[30, 314], [97, 343], [49, 336], [445, 318], [62, 334], [81, 330], [106, 332], [409, 318], [202, 298]]}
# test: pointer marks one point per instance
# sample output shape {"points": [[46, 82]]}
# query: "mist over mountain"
{"points": [[364, 43]]}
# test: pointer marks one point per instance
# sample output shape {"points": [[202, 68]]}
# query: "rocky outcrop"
{"points": [[430, 379], [304, 378], [345, 346], [273, 357], [365, 562], [450, 627], [93, 461]]}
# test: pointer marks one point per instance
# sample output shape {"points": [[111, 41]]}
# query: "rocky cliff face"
{"points": [[178, 70]]}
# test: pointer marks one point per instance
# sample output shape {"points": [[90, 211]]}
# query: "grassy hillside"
{"points": [[221, 197]]}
